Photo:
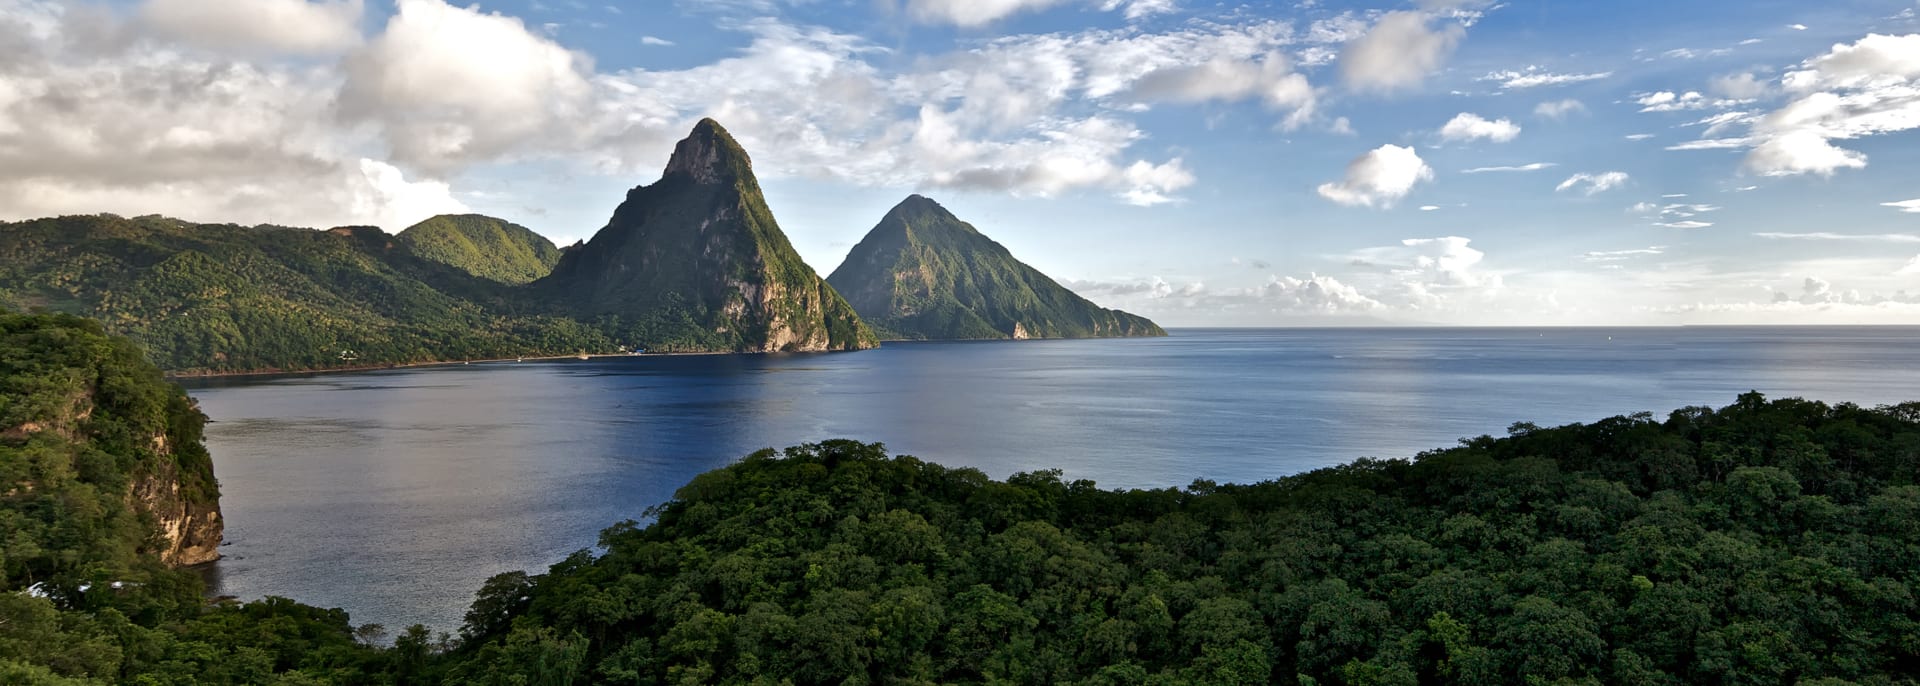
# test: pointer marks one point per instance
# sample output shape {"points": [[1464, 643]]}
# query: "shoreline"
{"points": [[189, 375], [185, 376]]}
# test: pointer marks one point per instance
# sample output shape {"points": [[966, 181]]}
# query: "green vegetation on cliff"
{"points": [[921, 273], [207, 297], [696, 261], [88, 594], [482, 246]]}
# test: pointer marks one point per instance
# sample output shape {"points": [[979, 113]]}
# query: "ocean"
{"points": [[394, 494]]}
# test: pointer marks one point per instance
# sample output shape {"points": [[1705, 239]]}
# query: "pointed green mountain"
{"points": [[696, 261], [482, 246], [924, 274]]}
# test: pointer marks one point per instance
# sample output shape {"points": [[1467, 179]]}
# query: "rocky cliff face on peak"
{"points": [[922, 273], [695, 261]]}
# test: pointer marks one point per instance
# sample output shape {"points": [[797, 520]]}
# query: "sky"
{"points": [[1313, 162]]}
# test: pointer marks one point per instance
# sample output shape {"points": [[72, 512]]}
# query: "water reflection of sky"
{"points": [[394, 494]]}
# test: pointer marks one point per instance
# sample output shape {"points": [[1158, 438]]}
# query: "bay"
{"points": [[394, 494]]}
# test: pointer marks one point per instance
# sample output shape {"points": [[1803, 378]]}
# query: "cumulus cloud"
{"points": [[149, 126], [1399, 51], [1467, 126], [1316, 293], [1429, 273], [1908, 206], [1379, 178], [1593, 184], [1271, 80], [1865, 88], [277, 26], [1558, 109], [1912, 267], [452, 86], [1535, 77], [1741, 86]]}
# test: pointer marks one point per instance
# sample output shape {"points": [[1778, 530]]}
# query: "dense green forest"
{"points": [[209, 297], [1766, 542], [1761, 543], [482, 246], [84, 595], [923, 274]]}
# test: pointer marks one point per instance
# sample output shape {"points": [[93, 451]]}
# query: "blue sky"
{"points": [[1434, 162]]}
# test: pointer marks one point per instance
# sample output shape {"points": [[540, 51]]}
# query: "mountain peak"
{"points": [[922, 212], [709, 155], [923, 273]]}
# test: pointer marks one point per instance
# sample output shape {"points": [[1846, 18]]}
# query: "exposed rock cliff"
{"points": [[101, 460], [696, 261], [924, 274]]}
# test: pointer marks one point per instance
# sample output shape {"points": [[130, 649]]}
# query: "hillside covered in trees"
{"points": [[1760, 543], [217, 298], [693, 263]]}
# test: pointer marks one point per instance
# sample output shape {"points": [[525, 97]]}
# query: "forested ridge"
{"points": [[221, 298], [922, 273], [1761, 543], [1766, 542]]}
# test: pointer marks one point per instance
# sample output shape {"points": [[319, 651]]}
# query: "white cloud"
{"points": [[388, 199], [1854, 237], [1908, 206], [1398, 52], [1622, 255], [1316, 293], [1379, 178], [1741, 86], [451, 87], [1272, 81], [1639, 136], [1912, 267], [656, 41], [1558, 109], [1535, 77], [1467, 126], [1686, 224], [443, 89], [1534, 166], [1594, 184], [274, 26], [974, 13], [1429, 208], [1865, 88], [1802, 152], [1797, 27], [1429, 273]]}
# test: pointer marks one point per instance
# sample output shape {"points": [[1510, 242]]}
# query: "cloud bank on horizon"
{"points": [[1436, 162]]}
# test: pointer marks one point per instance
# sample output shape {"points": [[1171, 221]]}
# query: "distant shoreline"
{"points": [[176, 375], [183, 375]]}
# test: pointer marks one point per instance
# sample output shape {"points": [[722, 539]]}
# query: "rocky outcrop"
{"points": [[188, 528], [97, 441], [695, 261]]}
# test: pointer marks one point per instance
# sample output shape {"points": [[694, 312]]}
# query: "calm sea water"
{"points": [[395, 494]]}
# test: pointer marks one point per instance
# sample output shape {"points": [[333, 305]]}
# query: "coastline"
{"points": [[190, 375]]}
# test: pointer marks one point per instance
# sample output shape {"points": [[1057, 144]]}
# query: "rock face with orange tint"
{"points": [[695, 261]]}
